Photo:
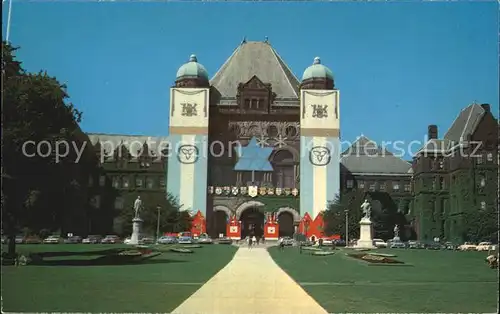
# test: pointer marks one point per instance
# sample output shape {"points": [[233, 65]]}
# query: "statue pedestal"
{"points": [[136, 230], [365, 235]]}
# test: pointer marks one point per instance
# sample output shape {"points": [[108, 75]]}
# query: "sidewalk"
{"points": [[251, 283]]}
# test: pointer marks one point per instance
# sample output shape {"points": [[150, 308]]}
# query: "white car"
{"points": [[53, 240], [484, 246], [379, 243], [467, 246]]}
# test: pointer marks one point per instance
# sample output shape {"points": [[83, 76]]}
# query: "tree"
{"points": [[481, 225], [335, 216], [37, 190]]}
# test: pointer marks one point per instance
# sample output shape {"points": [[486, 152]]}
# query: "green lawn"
{"points": [[437, 281], [159, 285]]}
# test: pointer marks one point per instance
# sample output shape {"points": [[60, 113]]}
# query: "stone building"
{"points": [[455, 174]]}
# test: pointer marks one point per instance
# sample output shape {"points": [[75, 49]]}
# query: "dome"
{"points": [[317, 70], [192, 69]]}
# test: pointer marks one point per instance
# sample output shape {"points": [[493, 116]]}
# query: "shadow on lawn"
{"points": [[81, 253], [105, 261]]}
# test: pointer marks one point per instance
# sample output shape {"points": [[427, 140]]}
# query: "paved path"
{"points": [[251, 283]]}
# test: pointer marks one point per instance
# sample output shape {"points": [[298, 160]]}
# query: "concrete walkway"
{"points": [[251, 283]]}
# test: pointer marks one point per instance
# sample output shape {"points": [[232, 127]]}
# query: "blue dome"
{"points": [[317, 70], [192, 69]]}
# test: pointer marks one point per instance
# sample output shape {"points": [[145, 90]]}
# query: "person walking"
{"points": [[249, 242], [281, 244], [254, 240]]}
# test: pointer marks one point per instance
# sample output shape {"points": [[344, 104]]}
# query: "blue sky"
{"points": [[399, 66]]}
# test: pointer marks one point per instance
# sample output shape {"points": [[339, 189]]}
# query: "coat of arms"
{"points": [[295, 192], [287, 191], [210, 190], [253, 191], [262, 190], [271, 230], [234, 190], [227, 190], [243, 190], [270, 191], [218, 190], [279, 191]]}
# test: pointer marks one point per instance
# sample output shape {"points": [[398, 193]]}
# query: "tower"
{"points": [[319, 139], [187, 165]]}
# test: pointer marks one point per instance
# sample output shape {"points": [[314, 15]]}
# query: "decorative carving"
{"points": [[320, 156], [270, 129], [189, 109], [187, 154], [319, 111]]}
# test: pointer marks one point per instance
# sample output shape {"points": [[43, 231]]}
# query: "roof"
{"points": [[317, 70], [465, 124], [134, 143], [192, 69], [435, 146], [260, 59], [365, 156]]}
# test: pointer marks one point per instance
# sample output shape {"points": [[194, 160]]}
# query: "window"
{"points": [[479, 160], [254, 104], [119, 203], [442, 183], [382, 186], [96, 201], [145, 164], [247, 103], [407, 187], [395, 186], [441, 164], [489, 157], [350, 184], [372, 187], [102, 181], [116, 182], [482, 182], [434, 184], [361, 184], [149, 183], [138, 182], [162, 182], [483, 205], [91, 180], [125, 182]]}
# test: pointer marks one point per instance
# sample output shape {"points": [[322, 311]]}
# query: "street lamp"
{"points": [[158, 224], [346, 227]]}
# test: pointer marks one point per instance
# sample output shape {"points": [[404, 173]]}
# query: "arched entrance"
{"points": [[220, 216], [252, 222], [285, 221]]}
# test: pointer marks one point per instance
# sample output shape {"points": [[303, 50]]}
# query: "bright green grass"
{"points": [[158, 285], [438, 281]]}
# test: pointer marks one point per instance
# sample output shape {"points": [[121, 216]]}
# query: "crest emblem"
{"points": [[320, 111], [295, 192], [227, 190], [234, 190], [253, 191], [287, 191], [189, 109], [187, 154], [279, 191], [271, 230], [243, 190], [320, 156], [210, 190], [233, 229], [262, 190], [270, 191], [218, 190]]}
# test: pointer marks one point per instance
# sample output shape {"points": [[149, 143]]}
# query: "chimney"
{"points": [[486, 107], [432, 132]]}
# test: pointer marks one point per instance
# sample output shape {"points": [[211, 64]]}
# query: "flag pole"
{"points": [[8, 22]]}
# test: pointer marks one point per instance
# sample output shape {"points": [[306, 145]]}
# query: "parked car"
{"points": [[225, 240], [110, 239], [32, 240], [379, 243], [20, 239], [53, 239], [467, 246], [167, 240], [205, 239], [434, 246], [73, 240], [287, 241], [146, 240], [185, 240], [450, 246], [483, 246], [397, 245], [339, 242], [92, 239]]}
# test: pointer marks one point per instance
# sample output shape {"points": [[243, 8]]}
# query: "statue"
{"points": [[137, 206], [366, 208], [396, 231]]}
